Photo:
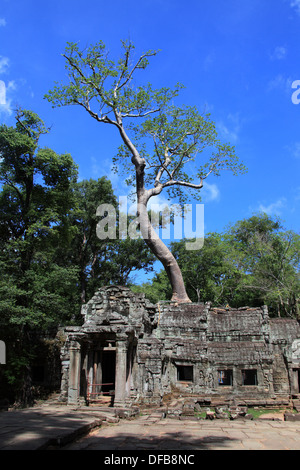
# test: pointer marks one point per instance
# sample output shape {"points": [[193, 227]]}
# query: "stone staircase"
{"points": [[296, 402], [52, 400]]}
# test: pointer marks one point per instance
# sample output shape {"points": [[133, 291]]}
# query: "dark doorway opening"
{"points": [[108, 371]]}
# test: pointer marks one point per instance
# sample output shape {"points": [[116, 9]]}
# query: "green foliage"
{"points": [[163, 146], [51, 259], [269, 258], [36, 194], [255, 262], [156, 291], [206, 270], [168, 139], [35, 197], [102, 262]]}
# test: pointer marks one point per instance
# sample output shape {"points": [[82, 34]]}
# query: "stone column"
{"points": [[74, 373], [121, 365]]}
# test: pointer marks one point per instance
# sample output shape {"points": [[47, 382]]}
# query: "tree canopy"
{"points": [[51, 259], [254, 262], [159, 139]]}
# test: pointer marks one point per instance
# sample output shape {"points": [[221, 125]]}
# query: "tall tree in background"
{"points": [[102, 262], [207, 271], [269, 258], [36, 198], [254, 262], [160, 140], [51, 260], [35, 201]]}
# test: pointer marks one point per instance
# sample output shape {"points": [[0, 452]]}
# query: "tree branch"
{"points": [[140, 114], [87, 81], [120, 85], [184, 183], [164, 165]]}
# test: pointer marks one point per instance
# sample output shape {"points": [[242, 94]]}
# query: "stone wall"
{"points": [[188, 349]]}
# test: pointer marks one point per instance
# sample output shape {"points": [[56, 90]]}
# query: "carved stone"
{"points": [[131, 351]]}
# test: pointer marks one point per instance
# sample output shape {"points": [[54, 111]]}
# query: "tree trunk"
{"points": [[164, 255], [158, 248]]}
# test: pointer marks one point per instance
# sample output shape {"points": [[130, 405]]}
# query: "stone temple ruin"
{"points": [[129, 351]]}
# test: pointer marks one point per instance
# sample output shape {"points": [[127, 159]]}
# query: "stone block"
{"points": [[288, 416], [210, 415], [222, 412]]}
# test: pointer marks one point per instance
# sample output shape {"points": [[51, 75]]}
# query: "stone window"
{"points": [[185, 373], [225, 377], [249, 376]]}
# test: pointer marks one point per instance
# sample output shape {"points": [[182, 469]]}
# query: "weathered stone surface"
{"points": [[148, 352], [222, 412], [291, 417], [210, 415]]}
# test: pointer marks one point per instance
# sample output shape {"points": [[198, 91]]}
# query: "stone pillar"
{"points": [[74, 373], [121, 365], [98, 375]]}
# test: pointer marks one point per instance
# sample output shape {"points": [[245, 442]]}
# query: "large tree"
{"points": [[206, 273], [268, 259], [160, 141], [50, 259], [101, 262], [37, 292], [36, 198], [254, 262]]}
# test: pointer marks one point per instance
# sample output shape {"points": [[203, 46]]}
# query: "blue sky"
{"points": [[237, 59]]}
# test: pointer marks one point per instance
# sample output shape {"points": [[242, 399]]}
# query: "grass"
{"points": [[257, 412]]}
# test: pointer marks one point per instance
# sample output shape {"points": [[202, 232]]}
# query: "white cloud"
{"points": [[230, 130], [279, 53], [6, 107], [210, 192], [208, 61], [296, 4], [280, 83], [275, 208], [2, 92], [11, 85], [2, 22], [96, 167], [293, 150], [5, 100], [297, 194], [4, 63], [296, 150], [100, 167]]}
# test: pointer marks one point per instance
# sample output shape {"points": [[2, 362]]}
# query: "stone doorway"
{"points": [[296, 382], [101, 374], [108, 371]]}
